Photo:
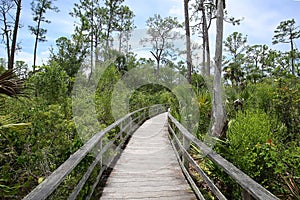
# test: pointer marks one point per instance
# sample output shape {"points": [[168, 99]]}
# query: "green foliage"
{"points": [[31, 150], [203, 101], [287, 32], [39, 9], [286, 104], [246, 131], [69, 55], [104, 94], [161, 36], [51, 83], [235, 45], [255, 145], [151, 94]]}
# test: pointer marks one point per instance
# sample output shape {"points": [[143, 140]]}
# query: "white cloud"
{"points": [[26, 57], [176, 10]]}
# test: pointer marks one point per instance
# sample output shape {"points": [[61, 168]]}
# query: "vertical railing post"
{"points": [[130, 124], [246, 195], [121, 130], [186, 145], [101, 147]]}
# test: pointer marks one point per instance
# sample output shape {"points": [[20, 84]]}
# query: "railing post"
{"points": [[121, 130], [101, 147], [246, 195], [186, 146], [144, 114], [130, 124]]}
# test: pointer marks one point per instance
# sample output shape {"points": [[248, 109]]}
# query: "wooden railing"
{"points": [[98, 145], [182, 140]]}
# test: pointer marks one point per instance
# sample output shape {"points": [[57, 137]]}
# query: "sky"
{"points": [[259, 20]]}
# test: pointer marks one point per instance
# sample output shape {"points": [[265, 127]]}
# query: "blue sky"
{"points": [[260, 18]]}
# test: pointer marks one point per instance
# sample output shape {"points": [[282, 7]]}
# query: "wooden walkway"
{"points": [[148, 168]]}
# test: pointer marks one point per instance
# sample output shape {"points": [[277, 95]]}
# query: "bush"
{"points": [[254, 147]]}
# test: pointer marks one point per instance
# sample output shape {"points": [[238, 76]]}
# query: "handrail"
{"points": [[51, 183], [249, 185]]}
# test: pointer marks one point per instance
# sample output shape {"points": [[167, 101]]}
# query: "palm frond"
{"points": [[11, 85]]}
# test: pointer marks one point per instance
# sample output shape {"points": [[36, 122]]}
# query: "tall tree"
{"points": [[235, 45], [161, 36], [125, 23], [112, 8], [70, 54], [287, 32], [10, 28], [204, 13], [90, 25], [255, 61], [39, 8], [99, 21], [188, 39], [218, 115]]}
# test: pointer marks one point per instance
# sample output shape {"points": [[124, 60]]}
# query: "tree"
{"points": [[161, 36], [218, 114], [69, 55], [90, 25], [39, 9], [51, 83], [9, 28], [125, 23], [235, 45], [188, 39], [113, 10], [287, 32], [97, 22], [255, 62], [204, 13]]}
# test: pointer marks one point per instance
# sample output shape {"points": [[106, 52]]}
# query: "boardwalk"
{"points": [[148, 169]]}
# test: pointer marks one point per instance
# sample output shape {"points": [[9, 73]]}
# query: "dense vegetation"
{"points": [[261, 89]]}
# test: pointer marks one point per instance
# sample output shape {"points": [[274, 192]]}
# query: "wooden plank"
{"points": [[252, 187], [170, 194], [148, 167]]}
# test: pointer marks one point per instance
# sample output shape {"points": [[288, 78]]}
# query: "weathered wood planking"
{"points": [[148, 169]]}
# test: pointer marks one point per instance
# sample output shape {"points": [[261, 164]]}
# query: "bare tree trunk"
{"points": [[92, 41], [15, 34], [36, 42], [6, 33], [34, 53], [218, 108], [157, 57], [293, 58], [203, 52], [206, 51], [120, 42], [188, 40]]}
